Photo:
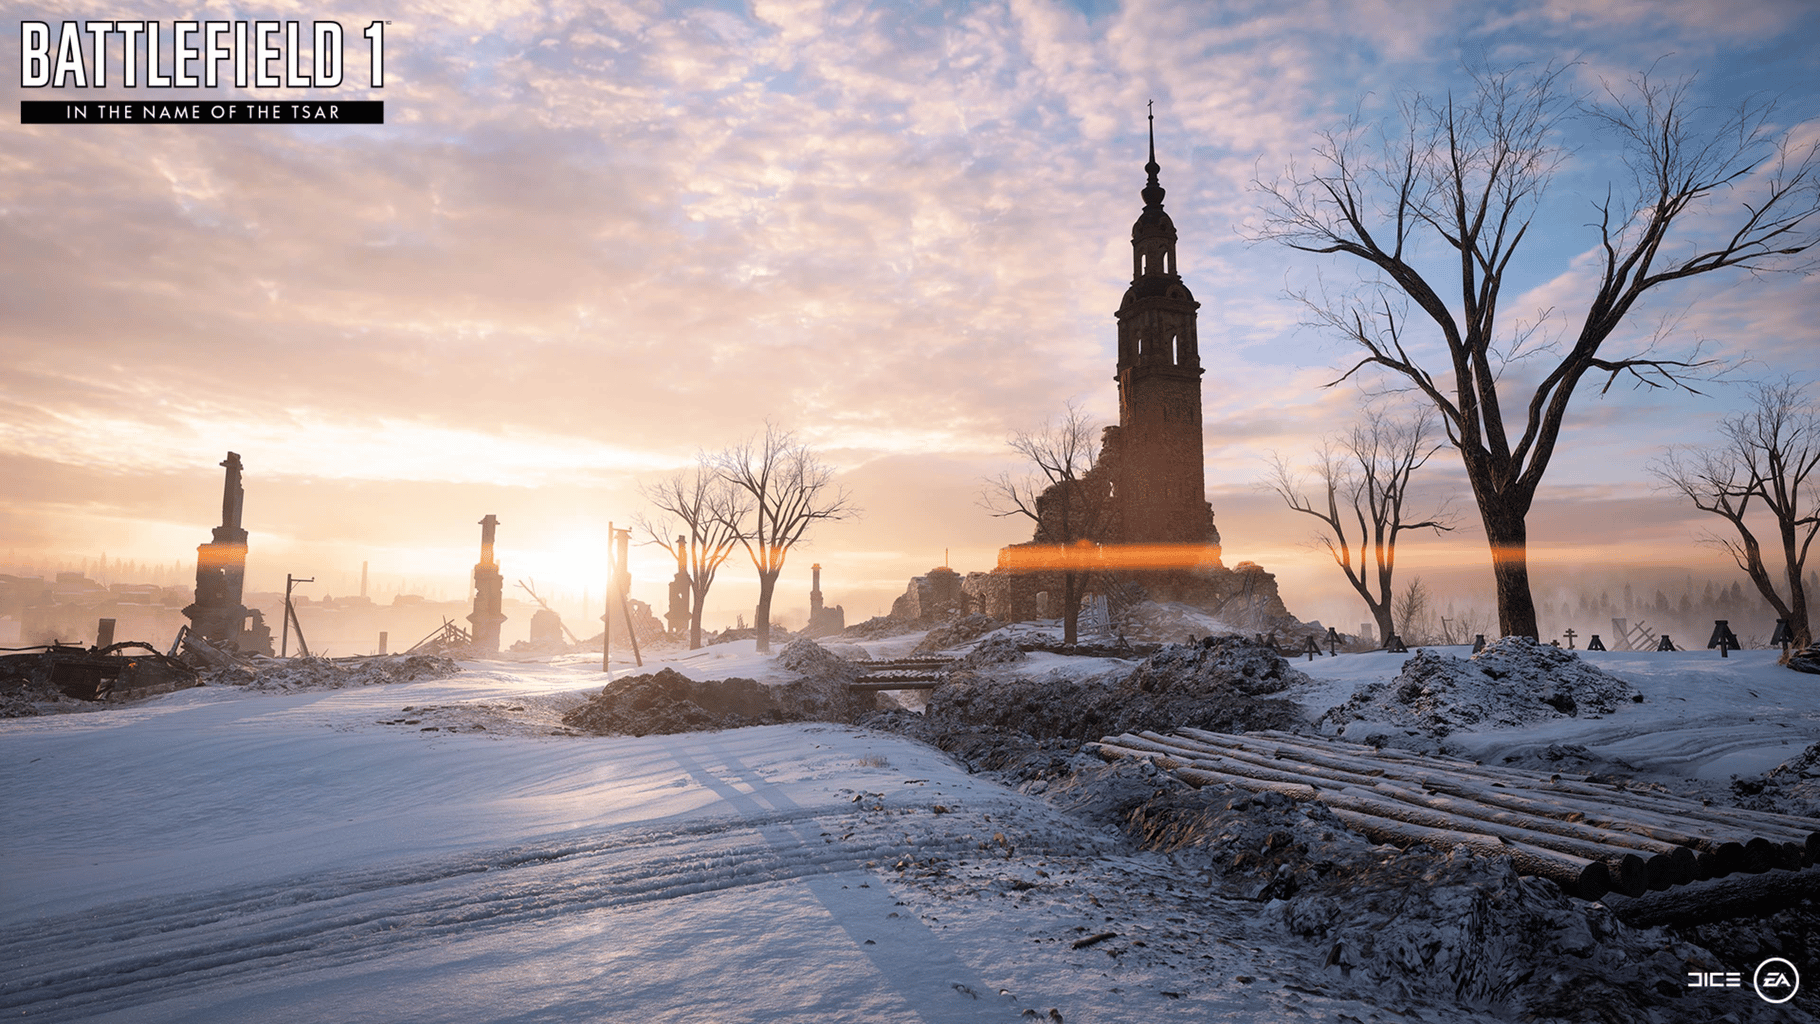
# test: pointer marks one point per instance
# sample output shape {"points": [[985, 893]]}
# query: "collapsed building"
{"points": [[489, 593], [1137, 520], [218, 614]]}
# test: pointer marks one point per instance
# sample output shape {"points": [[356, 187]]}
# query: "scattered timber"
{"points": [[1589, 837]]}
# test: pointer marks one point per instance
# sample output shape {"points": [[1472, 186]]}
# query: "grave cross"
{"points": [[1570, 634], [1723, 638], [1783, 636]]}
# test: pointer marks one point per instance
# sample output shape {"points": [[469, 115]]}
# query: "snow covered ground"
{"points": [[447, 851]]}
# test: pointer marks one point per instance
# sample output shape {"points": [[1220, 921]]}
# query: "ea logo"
{"points": [[1776, 980]]}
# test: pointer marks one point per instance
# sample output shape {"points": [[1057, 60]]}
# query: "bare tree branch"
{"points": [[786, 490], [1468, 174], [1769, 458], [1362, 483]]}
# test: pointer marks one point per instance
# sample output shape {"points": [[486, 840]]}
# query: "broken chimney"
{"points": [[218, 614], [678, 616], [489, 586], [823, 620]]}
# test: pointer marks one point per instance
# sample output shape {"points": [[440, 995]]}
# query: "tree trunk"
{"points": [[1073, 584], [761, 616], [697, 601], [1792, 558], [1508, 536], [1385, 624]]}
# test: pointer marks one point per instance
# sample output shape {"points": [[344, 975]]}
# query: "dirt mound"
{"points": [[290, 674], [1216, 665], [960, 631], [1511, 683], [1212, 685], [668, 701]]}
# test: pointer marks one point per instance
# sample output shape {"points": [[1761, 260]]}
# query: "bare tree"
{"points": [[1466, 178], [1769, 458], [704, 503], [786, 489], [1059, 492], [1363, 482], [1412, 612]]}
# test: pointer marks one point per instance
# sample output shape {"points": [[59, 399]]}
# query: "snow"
{"points": [[445, 850]]}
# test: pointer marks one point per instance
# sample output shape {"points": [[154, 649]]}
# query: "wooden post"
{"points": [[290, 618], [104, 633]]}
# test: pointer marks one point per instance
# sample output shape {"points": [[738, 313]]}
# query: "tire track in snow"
{"points": [[135, 953]]}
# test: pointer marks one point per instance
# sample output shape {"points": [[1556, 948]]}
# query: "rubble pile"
{"points": [[668, 701], [291, 674], [1394, 925], [1218, 684], [953, 634], [1166, 622], [25, 697], [998, 649], [1513, 682]]}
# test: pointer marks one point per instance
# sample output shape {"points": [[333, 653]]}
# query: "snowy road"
{"points": [[430, 852], [215, 855]]}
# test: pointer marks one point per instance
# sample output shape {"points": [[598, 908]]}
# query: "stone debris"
{"points": [[1512, 683]]}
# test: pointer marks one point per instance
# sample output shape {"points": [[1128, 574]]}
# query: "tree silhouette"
{"points": [[1465, 177]]}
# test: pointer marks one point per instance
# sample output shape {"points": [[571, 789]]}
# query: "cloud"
{"points": [[594, 239]]}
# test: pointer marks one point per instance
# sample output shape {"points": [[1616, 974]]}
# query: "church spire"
{"points": [[1153, 191]]}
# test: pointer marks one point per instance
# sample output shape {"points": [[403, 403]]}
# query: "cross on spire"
{"points": [[1153, 190]]}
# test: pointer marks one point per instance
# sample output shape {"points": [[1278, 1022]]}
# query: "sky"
{"points": [[591, 242]]}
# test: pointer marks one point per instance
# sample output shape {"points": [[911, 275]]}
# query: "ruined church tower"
{"points": [[1160, 482]]}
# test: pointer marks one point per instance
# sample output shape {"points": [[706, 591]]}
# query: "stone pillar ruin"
{"points": [[678, 615], [217, 615], [489, 587], [815, 591]]}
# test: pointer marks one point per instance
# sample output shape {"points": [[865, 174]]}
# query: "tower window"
{"points": [[1175, 350]]}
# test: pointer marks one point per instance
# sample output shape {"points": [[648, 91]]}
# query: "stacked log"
{"points": [[1589, 838]]}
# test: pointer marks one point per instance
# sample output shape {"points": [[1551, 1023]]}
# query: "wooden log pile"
{"points": [[1590, 838]]}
